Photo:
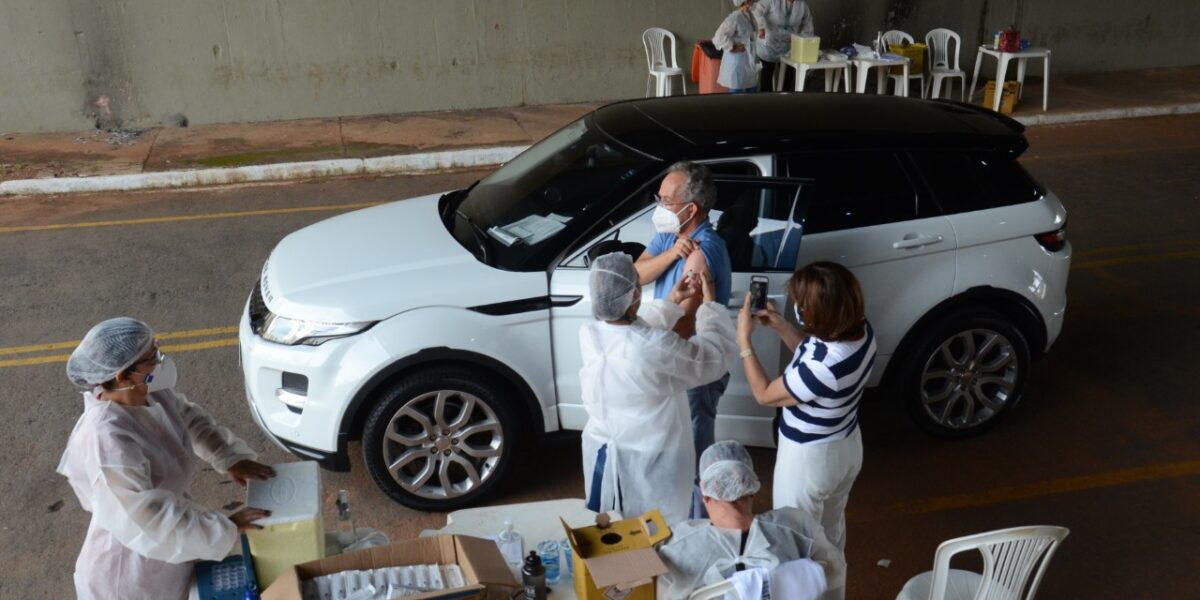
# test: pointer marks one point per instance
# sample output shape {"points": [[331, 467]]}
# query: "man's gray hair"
{"points": [[699, 187]]}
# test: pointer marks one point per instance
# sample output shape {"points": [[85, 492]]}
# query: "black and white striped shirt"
{"points": [[827, 379]]}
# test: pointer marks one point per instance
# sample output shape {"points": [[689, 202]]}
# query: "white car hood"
{"points": [[374, 263]]}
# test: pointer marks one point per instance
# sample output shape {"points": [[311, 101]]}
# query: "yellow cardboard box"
{"points": [[617, 561], [806, 48], [295, 532], [1008, 98], [915, 53]]}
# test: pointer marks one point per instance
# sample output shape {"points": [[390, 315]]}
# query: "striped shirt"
{"points": [[827, 380]]}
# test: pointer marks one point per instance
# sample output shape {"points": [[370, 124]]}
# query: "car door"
{"points": [[868, 215], [760, 222]]}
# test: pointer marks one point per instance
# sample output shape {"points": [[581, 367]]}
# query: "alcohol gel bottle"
{"points": [[511, 547], [533, 577]]}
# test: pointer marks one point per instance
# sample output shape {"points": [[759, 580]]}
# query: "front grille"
{"points": [[258, 310]]}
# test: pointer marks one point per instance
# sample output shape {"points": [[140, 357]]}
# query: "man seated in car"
{"points": [[706, 551]]}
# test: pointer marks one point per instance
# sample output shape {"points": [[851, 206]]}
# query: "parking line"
{"points": [[170, 335], [1052, 487], [183, 218], [60, 358]]}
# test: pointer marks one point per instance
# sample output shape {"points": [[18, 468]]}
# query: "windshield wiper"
{"points": [[480, 237]]}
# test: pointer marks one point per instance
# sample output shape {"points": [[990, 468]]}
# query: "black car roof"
{"points": [[736, 123]]}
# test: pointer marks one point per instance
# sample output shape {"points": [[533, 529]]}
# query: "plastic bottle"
{"points": [[533, 577], [510, 543]]}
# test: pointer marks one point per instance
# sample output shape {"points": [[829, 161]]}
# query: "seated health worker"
{"points": [[706, 551], [130, 462], [637, 444]]}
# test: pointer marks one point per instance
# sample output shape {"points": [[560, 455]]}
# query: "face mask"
{"points": [[666, 221], [163, 377]]}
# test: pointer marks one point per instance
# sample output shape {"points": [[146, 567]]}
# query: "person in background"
{"points": [[735, 37], [777, 21], [130, 462], [820, 443], [637, 446], [733, 539], [685, 197]]}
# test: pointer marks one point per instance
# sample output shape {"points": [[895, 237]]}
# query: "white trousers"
{"points": [[817, 478]]}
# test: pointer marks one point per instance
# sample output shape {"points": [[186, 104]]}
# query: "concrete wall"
{"points": [[76, 64]]}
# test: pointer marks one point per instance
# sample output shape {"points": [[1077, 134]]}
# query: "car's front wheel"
{"points": [[966, 373], [440, 439]]}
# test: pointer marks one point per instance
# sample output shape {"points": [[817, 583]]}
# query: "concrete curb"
{"points": [[1108, 114], [424, 162]]}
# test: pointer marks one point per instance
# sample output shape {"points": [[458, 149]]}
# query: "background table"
{"points": [[535, 521], [1002, 60], [834, 70], [865, 64]]}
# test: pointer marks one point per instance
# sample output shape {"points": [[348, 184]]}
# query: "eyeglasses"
{"points": [[157, 358], [665, 202]]}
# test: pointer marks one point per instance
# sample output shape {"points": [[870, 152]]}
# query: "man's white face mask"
{"points": [[666, 221]]}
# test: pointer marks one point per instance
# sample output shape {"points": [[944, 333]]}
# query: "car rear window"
{"points": [[968, 181], [854, 189]]}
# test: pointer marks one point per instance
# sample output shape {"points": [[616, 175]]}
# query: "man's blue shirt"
{"points": [[715, 254]]}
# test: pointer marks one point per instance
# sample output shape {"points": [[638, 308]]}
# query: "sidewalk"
{"points": [[425, 142]]}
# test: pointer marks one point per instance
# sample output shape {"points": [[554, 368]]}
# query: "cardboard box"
{"points": [[482, 566], [1008, 98], [806, 48], [915, 53], [618, 562]]}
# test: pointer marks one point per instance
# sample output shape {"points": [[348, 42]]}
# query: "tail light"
{"points": [[1053, 240]]}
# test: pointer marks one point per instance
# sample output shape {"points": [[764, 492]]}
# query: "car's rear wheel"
{"points": [[966, 373], [440, 439]]}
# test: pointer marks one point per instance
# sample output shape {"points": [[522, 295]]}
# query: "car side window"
{"points": [[968, 181], [854, 189], [759, 222]]}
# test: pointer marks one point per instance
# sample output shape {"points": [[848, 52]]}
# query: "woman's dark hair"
{"points": [[830, 299]]}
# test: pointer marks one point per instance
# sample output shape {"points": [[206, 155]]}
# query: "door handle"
{"points": [[914, 240]]}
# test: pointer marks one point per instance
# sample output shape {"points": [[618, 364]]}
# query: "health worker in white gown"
{"points": [[130, 461], [637, 445]]}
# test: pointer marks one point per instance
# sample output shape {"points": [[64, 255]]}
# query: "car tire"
{"points": [[440, 439], [965, 373]]}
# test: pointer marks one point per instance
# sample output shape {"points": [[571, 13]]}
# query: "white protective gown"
{"points": [[131, 467], [634, 381], [700, 554], [781, 19], [739, 70]]}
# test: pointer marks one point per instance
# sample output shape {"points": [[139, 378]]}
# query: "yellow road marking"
{"points": [[59, 358], [1130, 260], [1052, 487], [172, 335], [182, 218]]}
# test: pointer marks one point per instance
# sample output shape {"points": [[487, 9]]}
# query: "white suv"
{"points": [[442, 331]]}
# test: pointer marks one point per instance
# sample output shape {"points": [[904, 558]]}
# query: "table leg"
{"points": [[798, 83], [845, 74], [1020, 78], [860, 85], [1045, 81], [1001, 67], [829, 80], [881, 80], [905, 86], [975, 77]]}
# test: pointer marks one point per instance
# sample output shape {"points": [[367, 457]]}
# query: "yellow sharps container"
{"points": [[294, 533]]}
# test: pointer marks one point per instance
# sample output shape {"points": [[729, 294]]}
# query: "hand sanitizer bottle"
{"points": [[511, 546]]}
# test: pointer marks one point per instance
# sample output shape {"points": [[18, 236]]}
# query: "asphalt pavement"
{"points": [[1107, 442]]}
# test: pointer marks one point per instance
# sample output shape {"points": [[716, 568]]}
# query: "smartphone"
{"points": [[758, 293]]}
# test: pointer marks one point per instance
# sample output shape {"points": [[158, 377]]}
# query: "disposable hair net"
{"points": [[108, 349], [725, 450], [728, 480], [613, 281]]}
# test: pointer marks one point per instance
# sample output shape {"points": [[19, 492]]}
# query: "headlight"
{"points": [[283, 330]]}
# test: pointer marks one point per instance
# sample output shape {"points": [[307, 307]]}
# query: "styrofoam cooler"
{"points": [[295, 532], [806, 48]]}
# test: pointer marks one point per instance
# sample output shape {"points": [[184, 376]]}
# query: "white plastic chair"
{"points": [[1010, 556], [653, 40], [715, 591], [895, 37], [939, 66]]}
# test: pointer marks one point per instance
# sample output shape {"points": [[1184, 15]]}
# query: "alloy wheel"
{"points": [[969, 378]]}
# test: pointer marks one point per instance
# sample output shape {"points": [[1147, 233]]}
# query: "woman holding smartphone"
{"points": [[820, 445]]}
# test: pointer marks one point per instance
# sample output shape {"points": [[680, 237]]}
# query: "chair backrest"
{"points": [[652, 41], [1010, 556], [938, 41], [895, 37], [714, 591]]}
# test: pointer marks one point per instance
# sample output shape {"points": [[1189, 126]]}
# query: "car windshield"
{"points": [[532, 206]]}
